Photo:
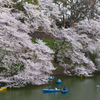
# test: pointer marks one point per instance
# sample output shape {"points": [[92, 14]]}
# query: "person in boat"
{"points": [[64, 88], [80, 75], [55, 88], [49, 87], [51, 76], [59, 80]]}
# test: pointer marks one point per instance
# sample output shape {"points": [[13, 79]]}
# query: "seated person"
{"points": [[59, 80], [64, 88], [55, 88], [49, 87], [51, 76]]}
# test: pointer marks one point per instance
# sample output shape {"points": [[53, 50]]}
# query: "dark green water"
{"points": [[81, 89]]}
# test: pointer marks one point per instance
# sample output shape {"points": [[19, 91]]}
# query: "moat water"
{"points": [[79, 89]]}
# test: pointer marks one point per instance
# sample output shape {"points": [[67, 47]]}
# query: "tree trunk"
{"points": [[55, 56], [63, 24]]}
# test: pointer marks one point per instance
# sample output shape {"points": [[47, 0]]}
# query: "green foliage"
{"points": [[62, 1], [92, 56], [56, 65], [48, 42], [35, 56], [95, 55], [56, 44], [84, 64], [83, 44], [38, 9], [18, 7], [58, 48], [15, 67], [22, 20], [25, 50], [2, 54], [15, 0], [35, 2], [33, 40], [75, 64], [67, 60], [3, 69]]}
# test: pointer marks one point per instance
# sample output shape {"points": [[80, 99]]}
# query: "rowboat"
{"points": [[64, 91], [51, 90], [80, 76], [59, 82], [3, 88], [51, 78]]}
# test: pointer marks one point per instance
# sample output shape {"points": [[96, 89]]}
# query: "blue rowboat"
{"points": [[51, 90], [64, 91], [51, 78], [59, 82]]}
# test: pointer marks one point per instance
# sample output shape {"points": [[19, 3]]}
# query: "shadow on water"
{"points": [[64, 93]]}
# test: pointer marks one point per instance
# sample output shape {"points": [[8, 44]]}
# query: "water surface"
{"points": [[79, 89]]}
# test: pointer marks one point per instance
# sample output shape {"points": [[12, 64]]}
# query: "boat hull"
{"points": [[3, 88], [51, 90], [64, 91], [51, 78], [59, 82]]}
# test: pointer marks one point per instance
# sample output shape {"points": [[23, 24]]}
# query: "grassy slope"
{"points": [[49, 43]]}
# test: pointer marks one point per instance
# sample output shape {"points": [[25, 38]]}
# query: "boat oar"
{"points": [[69, 91]]}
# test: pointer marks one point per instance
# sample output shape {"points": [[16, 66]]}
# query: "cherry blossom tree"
{"points": [[32, 61]]}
